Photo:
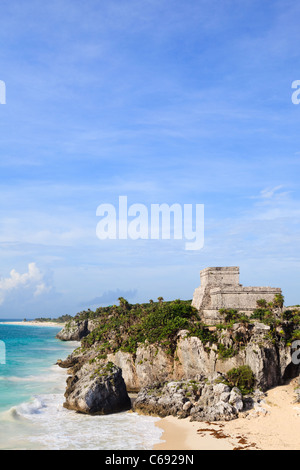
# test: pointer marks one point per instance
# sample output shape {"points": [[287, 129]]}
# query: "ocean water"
{"points": [[32, 388]]}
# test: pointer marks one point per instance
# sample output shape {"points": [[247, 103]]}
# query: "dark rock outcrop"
{"points": [[97, 389], [76, 330]]}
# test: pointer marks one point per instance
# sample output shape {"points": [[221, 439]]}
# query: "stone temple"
{"points": [[220, 288]]}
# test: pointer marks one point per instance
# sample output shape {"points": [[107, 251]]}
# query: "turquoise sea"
{"points": [[32, 386]]}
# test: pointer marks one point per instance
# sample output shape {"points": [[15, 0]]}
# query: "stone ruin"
{"points": [[220, 288]]}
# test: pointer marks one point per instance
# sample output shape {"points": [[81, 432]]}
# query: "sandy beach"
{"points": [[32, 323], [278, 429]]}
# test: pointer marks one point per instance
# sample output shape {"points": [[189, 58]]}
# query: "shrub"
{"points": [[123, 327], [230, 314], [203, 333], [259, 314], [278, 301], [225, 353], [295, 335], [261, 303], [242, 378]]}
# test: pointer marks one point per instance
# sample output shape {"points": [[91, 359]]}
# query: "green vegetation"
{"points": [[125, 326], [269, 313], [225, 353], [284, 324], [61, 319], [103, 370], [242, 378], [230, 314]]}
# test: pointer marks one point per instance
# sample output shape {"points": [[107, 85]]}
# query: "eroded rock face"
{"points": [[97, 389], [76, 330], [153, 364], [174, 383], [268, 361], [199, 400], [193, 358], [126, 362], [150, 364]]}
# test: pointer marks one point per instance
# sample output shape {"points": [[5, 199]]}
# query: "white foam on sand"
{"points": [[51, 426], [43, 423]]}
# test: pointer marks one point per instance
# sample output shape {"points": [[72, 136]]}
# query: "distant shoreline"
{"points": [[33, 323]]}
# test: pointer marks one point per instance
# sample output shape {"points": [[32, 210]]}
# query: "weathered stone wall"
{"points": [[220, 276], [220, 288], [241, 297]]}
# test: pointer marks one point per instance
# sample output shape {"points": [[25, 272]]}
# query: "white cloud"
{"points": [[33, 280], [269, 193]]}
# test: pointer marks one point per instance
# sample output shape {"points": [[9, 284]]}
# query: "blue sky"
{"points": [[164, 102]]}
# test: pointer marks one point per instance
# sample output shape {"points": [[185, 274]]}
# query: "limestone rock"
{"points": [[198, 400], [271, 363], [97, 389], [76, 330], [236, 399], [152, 364], [193, 358], [168, 398], [126, 362]]}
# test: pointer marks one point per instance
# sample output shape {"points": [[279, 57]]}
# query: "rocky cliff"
{"points": [[75, 330], [168, 344], [200, 400]]}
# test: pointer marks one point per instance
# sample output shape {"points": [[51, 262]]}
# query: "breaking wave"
{"points": [[52, 427]]}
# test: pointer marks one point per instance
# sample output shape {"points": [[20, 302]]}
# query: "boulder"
{"points": [[97, 389], [75, 330], [199, 400]]}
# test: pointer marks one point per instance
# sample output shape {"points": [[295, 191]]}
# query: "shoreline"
{"points": [[32, 323], [276, 429]]}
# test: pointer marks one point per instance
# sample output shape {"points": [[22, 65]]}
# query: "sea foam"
{"points": [[34, 416], [52, 427]]}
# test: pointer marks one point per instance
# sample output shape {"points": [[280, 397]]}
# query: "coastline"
{"points": [[277, 429], [32, 323]]}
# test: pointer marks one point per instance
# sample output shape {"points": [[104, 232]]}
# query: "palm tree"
{"points": [[123, 303], [262, 303], [278, 301], [160, 299]]}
